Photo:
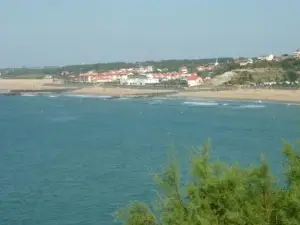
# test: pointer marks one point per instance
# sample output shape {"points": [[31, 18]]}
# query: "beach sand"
{"points": [[244, 94], [26, 84], [239, 94], [119, 91]]}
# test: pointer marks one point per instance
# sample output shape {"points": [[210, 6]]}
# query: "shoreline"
{"points": [[39, 87], [149, 96], [233, 100], [266, 95]]}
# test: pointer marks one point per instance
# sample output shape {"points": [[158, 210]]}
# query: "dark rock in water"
{"points": [[114, 97], [10, 93]]}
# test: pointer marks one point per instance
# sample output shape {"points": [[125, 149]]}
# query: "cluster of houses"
{"points": [[269, 58], [147, 76], [140, 76]]}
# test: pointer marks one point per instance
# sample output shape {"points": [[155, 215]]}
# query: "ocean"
{"points": [[76, 159]]}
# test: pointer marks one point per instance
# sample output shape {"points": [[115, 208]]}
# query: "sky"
{"points": [[61, 32]]}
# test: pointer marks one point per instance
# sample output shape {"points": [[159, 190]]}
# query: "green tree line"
{"points": [[168, 65], [221, 194]]}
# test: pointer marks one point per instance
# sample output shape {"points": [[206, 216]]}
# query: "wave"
{"points": [[52, 96], [201, 103], [64, 118], [89, 96], [293, 104], [155, 102], [123, 98], [28, 95], [251, 106]]}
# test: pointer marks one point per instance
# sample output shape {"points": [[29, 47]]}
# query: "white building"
{"points": [[139, 81], [245, 62], [145, 69], [297, 53], [149, 69], [270, 57], [183, 69], [217, 62], [194, 80], [152, 81], [47, 77]]}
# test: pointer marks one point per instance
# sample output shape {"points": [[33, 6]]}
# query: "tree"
{"points": [[222, 194], [292, 75]]}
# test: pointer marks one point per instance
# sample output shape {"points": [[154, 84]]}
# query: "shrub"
{"points": [[222, 194]]}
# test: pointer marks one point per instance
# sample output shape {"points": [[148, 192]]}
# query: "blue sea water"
{"points": [[75, 160]]}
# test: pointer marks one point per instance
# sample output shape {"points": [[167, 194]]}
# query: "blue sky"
{"points": [[58, 32]]}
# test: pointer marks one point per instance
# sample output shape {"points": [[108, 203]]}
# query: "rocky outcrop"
{"points": [[223, 78]]}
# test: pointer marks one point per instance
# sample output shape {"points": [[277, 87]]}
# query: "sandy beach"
{"points": [[119, 91], [239, 94], [26, 84], [244, 94]]}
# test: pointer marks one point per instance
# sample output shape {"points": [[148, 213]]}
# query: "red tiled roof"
{"points": [[193, 77]]}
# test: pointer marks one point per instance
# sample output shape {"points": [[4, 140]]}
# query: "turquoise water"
{"points": [[75, 160]]}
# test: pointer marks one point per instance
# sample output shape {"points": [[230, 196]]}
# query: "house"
{"points": [[244, 62], [149, 69], [194, 80], [145, 69], [207, 67], [267, 58], [297, 53], [47, 77], [138, 80], [270, 57], [152, 81], [101, 79], [207, 79], [183, 69], [65, 73]]}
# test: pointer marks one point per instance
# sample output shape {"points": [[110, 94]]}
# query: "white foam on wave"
{"points": [[155, 102], [89, 96], [52, 96], [64, 118], [201, 103], [250, 106], [123, 98], [293, 104], [28, 95]]}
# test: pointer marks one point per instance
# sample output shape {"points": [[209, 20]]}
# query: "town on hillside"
{"points": [[262, 70]]}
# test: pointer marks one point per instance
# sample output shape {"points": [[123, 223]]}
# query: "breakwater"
{"points": [[34, 91]]}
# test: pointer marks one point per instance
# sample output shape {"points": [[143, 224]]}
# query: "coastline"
{"points": [[269, 95], [10, 87], [123, 92]]}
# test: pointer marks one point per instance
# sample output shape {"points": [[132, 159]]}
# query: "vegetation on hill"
{"points": [[218, 193], [165, 65], [191, 64], [264, 71], [258, 72]]}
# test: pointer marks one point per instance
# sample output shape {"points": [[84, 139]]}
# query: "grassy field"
{"points": [[25, 76], [260, 74]]}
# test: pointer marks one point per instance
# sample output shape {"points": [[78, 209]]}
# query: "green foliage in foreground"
{"points": [[221, 194]]}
